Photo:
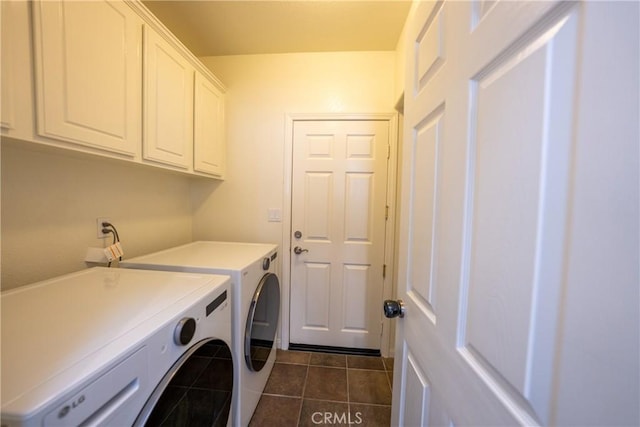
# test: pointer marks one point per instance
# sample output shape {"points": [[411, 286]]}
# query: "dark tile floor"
{"points": [[310, 389]]}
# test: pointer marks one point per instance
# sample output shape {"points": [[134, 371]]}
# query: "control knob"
{"points": [[184, 331]]}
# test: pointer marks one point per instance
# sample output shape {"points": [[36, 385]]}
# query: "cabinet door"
{"points": [[88, 73], [209, 149], [168, 103]]}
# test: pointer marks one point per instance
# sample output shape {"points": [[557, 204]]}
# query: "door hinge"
{"points": [[386, 212], [384, 271], [388, 151]]}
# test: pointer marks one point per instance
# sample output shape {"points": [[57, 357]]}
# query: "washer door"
{"points": [[262, 322], [196, 391]]}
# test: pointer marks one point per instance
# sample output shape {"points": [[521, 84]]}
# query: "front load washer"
{"points": [[117, 347], [255, 296]]}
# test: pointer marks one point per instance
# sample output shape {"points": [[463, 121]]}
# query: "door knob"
{"points": [[298, 250], [393, 308]]}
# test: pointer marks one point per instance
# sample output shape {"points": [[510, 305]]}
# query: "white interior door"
{"points": [[519, 222], [338, 206]]}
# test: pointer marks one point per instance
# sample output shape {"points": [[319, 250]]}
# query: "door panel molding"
{"points": [[521, 376], [423, 214]]}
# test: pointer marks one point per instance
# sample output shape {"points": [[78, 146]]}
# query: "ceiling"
{"points": [[243, 27]]}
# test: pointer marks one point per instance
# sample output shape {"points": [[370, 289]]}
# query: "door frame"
{"points": [[387, 347]]}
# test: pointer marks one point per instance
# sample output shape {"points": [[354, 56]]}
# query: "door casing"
{"points": [[386, 345]]}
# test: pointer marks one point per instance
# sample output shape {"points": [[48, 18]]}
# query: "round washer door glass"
{"points": [[196, 391], [262, 322]]}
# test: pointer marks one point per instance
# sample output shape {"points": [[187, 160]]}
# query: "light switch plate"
{"points": [[274, 215]]}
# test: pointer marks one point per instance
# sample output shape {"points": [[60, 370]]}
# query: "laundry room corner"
{"points": [[263, 91], [51, 201]]}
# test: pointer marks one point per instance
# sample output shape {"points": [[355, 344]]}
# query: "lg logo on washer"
{"points": [[74, 404]]}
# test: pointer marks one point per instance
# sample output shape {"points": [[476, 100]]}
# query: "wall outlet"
{"points": [[99, 222]]}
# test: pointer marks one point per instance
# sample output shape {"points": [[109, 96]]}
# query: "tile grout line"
{"points": [[348, 393], [304, 388], [365, 369], [386, 374]]}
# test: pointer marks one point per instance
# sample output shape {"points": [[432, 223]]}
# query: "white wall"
{"points": [[262, 90], [51, 199], [400, 59]]}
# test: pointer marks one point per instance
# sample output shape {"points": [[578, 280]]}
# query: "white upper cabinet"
{"points": [[79, 75], [209, 152], [88, 75], [168, 103]]}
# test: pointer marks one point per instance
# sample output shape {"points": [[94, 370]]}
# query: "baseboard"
{"points": [[335, 350]]}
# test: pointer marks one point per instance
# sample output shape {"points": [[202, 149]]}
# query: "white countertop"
{"points": [[205, 255]]}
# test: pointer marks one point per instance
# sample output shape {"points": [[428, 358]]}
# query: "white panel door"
{"points": [[208, 138], [89, 73], [338, 206], [519, 221], [168, 103]]}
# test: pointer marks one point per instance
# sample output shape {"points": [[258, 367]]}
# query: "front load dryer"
{"points": [[255, 296], [117, 347]]}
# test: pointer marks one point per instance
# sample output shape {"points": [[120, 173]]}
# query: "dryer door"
{"points": [[262, 322], [197, 390]]}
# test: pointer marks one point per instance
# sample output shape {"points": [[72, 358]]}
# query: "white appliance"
{"points": [[99, 347], [255, 296]]}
